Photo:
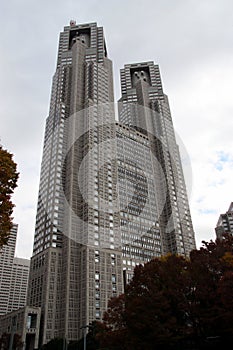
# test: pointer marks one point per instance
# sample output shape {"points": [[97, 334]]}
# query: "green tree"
{"points": [[8, 182]]}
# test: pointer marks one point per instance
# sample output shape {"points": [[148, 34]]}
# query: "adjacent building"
{"points": [[14, 274], [24, 322], [225, 223], [112, 194]]}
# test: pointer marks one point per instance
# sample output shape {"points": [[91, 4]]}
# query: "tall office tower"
{"points": [[145, 108], [225, 223], [13, 276], [110, 196], [76, 264]]}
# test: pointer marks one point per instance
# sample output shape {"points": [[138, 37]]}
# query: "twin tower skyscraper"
{"points": [[112, 193]]}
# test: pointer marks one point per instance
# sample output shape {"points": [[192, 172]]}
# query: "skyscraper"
{"points": [[145, 107], [225, 223], [13, 276], [112, 194], [75, 269]]}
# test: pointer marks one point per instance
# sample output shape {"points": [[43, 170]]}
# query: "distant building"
{"points": [[225, 223], [13, 276], [26, 323]]}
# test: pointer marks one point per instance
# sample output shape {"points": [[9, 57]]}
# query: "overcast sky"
{"points": [[192, 43]]}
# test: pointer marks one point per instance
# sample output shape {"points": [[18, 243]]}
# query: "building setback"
{"points": [[14, 274], [112, 194]]}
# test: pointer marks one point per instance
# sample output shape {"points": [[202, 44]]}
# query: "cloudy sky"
{"points": [[192, 43]]}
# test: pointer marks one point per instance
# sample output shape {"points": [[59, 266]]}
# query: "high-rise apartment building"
{"points": [[225, 223], [13, 276], [112, 194]]}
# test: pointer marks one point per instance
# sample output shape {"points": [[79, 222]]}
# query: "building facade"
{"points": [[139, 220], [144, 107], [76, 265], [110, 196], [225, 223], [24, 322], [14, 274]]}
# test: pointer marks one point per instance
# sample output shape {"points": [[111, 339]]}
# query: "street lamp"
{"points": [[64, 343], [85, 336], [13, 329]]}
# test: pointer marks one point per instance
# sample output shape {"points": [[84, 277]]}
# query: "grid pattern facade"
{"points": [[76, 265], [139, 219], [225, 223], [13, 276], [145, 107], [104, 203]]}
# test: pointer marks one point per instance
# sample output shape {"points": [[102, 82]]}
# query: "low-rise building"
{"points": [[24, 322]]}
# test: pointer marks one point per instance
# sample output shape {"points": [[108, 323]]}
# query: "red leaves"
{"points": [[173, 301], [8, 182], [114, 316], [114, 332]]}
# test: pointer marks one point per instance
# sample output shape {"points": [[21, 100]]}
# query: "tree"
{"points": [[175, 303], [153, 311], [92, 342], [113, 333], [5, 341], [211, 272], [156, 303], [54, 344], [8, 182]]}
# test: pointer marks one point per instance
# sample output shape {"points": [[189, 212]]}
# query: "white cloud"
{"points": [[203, 109]]}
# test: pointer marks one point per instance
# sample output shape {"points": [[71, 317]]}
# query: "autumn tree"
{"points": [[153, 311], [92, 342], [8, 182], [211, 299], [113, 333], [54, 344], [156, 303], [175, 303], [5, 341]]}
